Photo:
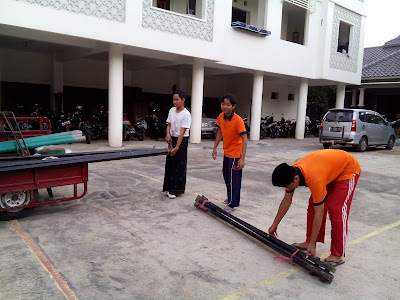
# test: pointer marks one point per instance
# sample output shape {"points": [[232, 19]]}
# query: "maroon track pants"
{"points": [[340, 196]]}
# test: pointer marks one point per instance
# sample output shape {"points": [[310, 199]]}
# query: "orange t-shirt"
{"points": [[322, 167], [231, 129]]}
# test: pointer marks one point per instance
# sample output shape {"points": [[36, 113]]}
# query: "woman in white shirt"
{"points": [[177, 137]]}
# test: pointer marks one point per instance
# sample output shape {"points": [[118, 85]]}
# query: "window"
{"points": [[380, 121], [344, 37], [363, 116], [370, 118], [192, 7], [291, 97], [164, 4], [185, 7], [293, 23], [239, 15], [274, 95], [339, 116]]}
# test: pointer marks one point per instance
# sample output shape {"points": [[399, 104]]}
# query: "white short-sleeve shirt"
{"points": [[179, 120]]}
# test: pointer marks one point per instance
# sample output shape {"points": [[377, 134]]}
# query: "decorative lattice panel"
{"points": [[113, 10], [174, 23], [340, 60]]}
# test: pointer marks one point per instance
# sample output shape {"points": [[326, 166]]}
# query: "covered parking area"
{"points": [[60, 72]]}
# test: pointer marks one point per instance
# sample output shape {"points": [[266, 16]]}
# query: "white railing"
{"points": [[306, 4]]}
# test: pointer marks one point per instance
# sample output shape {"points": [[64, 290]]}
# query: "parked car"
{"points": [[359, 128], [209, 127]]}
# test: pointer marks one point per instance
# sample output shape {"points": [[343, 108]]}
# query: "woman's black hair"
{"points": [[231, 98], [180, 93]]}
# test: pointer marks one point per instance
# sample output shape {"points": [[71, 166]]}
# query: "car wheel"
{"points": [[362, 145], [390, 143]]}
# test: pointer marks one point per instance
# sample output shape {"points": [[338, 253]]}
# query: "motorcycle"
{"points": [[246, 125], [156, 125], [77, 122], [139, 128], [284, 128], [268, 128], [99, 125], [127, 129]]}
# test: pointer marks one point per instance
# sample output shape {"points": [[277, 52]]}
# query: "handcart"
{"points": [[22, 177]]}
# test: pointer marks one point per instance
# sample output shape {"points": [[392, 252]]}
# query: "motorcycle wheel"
{"points": [[127, 136], [274, 133], [262, 134], [140, 136], [88, 138]]}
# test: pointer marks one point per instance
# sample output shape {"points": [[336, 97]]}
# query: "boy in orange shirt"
{"points": [[231, 128], [331, 176]]}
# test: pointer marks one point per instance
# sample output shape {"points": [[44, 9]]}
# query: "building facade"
{"points": [[380, 81], [131, 55]]}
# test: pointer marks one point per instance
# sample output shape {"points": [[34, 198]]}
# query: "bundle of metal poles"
{"points": [[68, 137], [21, 163], [313, 265]]}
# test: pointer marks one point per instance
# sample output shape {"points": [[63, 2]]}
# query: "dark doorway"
{"points": [[239, 15]]}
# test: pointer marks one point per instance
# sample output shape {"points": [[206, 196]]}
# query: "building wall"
{"points": [[210, 37]]}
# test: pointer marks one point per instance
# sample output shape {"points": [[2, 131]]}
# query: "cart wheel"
{"points": [[14, 199]]}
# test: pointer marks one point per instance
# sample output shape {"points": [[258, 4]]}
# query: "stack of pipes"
{"points": [[68, 137], [312, 264]]}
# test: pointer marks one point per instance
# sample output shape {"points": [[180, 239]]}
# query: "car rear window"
{"points": [[339, 116]]}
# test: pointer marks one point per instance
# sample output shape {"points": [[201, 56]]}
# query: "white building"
{"points": [[153, 46]]}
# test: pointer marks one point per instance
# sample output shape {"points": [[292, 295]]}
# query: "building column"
{"points": [[197, 100], [258, 84], [301, 109], [340, 93], [115, 95], [57, 84], [361, 98], [354, 98]]}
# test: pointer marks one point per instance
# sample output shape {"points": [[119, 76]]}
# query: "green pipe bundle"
{"points": [[44, 140]]}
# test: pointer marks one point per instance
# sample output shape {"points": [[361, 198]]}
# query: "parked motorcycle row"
{"points": [[95, 127], [283, 128]]}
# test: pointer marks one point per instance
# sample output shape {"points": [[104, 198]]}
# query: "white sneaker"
{"points": [[171, 196]]}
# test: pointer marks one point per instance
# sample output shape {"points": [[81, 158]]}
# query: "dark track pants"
{"points": [[233, 180]]}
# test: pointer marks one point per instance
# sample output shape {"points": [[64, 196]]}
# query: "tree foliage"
{"points": [[318, 100]]}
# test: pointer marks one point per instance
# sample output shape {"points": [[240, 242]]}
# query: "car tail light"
{"points": [[353, 125]]}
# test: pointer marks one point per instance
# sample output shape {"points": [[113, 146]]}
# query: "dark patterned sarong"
{"points": [[175, 169]]}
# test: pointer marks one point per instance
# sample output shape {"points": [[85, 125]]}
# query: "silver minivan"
{"points": [[359, 128]]}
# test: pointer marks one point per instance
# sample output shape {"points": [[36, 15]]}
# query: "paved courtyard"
{"points": [[126, 240]]}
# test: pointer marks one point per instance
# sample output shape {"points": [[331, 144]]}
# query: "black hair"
{"points": [[283, 175], [230, 97], [180, 93]]}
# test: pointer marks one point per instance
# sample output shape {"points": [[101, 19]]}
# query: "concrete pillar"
{"points": [[301, 109], [57, 83], [197, 100], [340, 92], [115, 95], [258, 84], [354, 98], [361, 98]]}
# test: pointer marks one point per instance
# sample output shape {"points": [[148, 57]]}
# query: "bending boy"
{"points": [[331, 176]]}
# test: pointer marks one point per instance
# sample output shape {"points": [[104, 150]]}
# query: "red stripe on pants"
{"points": [[338, 203]]}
